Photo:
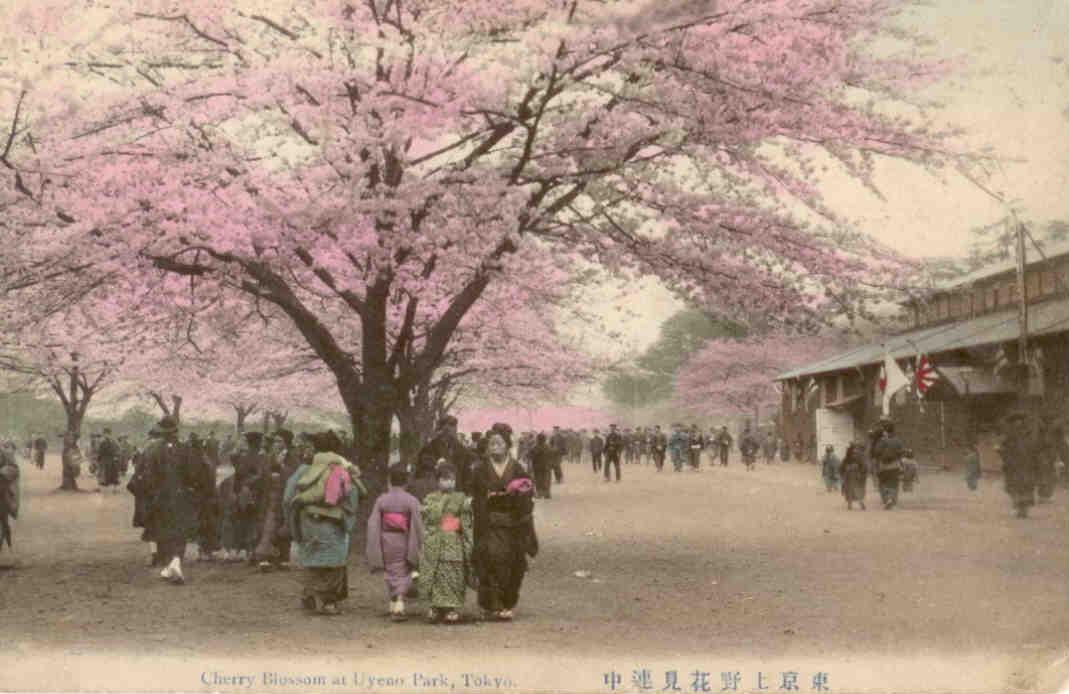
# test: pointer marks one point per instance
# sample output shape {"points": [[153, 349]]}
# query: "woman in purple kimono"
{"points": [[503, 507], [394, 539]]}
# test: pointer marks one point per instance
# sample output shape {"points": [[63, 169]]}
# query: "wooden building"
{"points": [[969, 331]]}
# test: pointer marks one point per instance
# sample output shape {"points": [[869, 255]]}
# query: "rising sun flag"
{"points": [[925, 376]]}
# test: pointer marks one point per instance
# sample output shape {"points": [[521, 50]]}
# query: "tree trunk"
{"points": [[74, 431], [410, 439], [279, 419], [242, 413], [172, 410]]}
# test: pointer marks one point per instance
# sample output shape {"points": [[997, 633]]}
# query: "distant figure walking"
{"points": [[854, 476], [829, 469]]}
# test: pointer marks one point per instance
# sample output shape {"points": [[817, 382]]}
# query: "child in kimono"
{"points": [[447, 543], [394, 538]]}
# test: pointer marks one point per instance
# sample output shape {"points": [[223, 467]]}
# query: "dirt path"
{"points": [[762, 573]]}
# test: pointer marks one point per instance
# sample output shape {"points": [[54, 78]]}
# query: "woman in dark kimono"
{"points": [[9, 492], [853, 474], [1018, 452], [503, 507]]}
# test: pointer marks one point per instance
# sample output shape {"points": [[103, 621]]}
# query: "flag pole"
{"points": [[1022, 315]]}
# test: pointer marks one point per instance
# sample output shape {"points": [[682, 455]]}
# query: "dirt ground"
{"points": [[704, 574]]}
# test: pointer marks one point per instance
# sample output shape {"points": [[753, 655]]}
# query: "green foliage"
{"points": [[681, 335]]}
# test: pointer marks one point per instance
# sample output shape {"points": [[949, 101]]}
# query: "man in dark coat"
{"points": [[559, 444], [723, 443], [40, 447], [175, 482], [597, 447], [749, 446], [614, 446], [448, 446], [1018, 452], [542, 457], [108, 460], [658, 447], [697, 444]]}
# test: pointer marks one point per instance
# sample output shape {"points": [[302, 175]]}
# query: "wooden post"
{"points": [[1022, 318]]}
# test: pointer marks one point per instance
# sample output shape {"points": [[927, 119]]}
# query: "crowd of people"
{"points": [[461, 515], [1034, 454], [685, 446]]}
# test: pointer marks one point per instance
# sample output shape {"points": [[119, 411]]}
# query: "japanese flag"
{"points": [[893, 381], [925, 376]]}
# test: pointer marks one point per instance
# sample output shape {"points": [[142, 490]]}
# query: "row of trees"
{"points": [[383, 199]]}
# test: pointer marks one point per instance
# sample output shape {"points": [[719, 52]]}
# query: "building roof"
{"points": [[1043, 319], [1051, 249]]}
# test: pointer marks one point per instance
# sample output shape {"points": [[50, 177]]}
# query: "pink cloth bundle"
{"points": [[338, 485], [520, 485], [449, 524]]}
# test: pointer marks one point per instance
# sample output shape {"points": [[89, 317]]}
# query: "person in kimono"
{"points": [[273, 547], [887, 454], [768, 448], [829, 469], [108, 462], [1017, 450], [240, 497], [542, 467], [972, 466], [394, 539], [678, 445], [447, 547], [320, 503], [749, 446], [40, 447], [909, 470], [9, 493], [854, 475], [1046, 455], [504, 533], [784, 450]]}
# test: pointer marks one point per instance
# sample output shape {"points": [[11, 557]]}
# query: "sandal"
{"points": [[452, 617]]}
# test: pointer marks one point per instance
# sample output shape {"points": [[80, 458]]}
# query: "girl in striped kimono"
{"points": [[447, 544]]}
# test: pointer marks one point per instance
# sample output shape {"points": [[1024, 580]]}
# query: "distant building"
{"points": [[968, 329]]}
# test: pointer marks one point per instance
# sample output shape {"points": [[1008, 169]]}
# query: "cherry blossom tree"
{"points": [[732, 376], [69, 354], [371, 169]]}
